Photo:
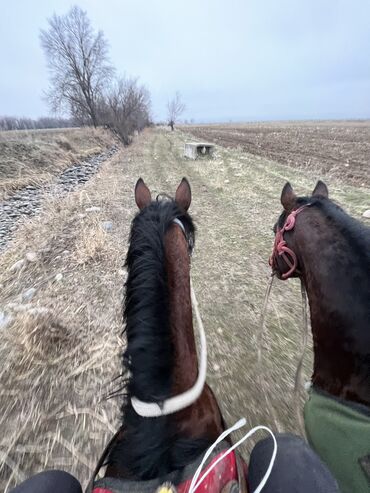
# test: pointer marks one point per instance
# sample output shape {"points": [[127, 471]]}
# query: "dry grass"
{"points": [[91, 245], [35, 157], [60, 351]]}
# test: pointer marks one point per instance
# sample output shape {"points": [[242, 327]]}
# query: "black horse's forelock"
{"points": [[148, 448]]}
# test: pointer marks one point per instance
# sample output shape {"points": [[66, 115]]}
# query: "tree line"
{"points": [[23, 123]]}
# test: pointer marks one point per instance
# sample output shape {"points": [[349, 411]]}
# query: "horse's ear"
{"points": [[142, 194], [288, 197], [183, 194], [321, 190]]}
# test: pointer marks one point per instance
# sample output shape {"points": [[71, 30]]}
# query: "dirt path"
{"points": [[60, 349]]}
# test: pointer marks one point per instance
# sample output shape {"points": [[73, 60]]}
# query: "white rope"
{"points": [[180, 401], [239, 424]]}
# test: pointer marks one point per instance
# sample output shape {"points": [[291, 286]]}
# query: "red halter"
{"points": [[280, 247]]}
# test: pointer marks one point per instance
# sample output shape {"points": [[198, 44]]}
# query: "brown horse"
{"points": [[330, 252], [160, 357]]}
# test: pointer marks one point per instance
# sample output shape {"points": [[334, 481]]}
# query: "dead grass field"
{"points": [[60, 351], [29, 157]]}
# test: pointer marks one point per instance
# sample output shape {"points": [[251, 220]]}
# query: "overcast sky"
{"points": [[237, 60]]}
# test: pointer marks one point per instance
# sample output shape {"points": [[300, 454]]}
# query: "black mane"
{"points": [[148, 354], [150, 447]]}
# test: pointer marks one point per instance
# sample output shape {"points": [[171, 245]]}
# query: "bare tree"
{"points": [[126, 108], [175, 108], [77, 58]]}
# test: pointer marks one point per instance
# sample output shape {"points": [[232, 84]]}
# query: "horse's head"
{"points": [[329, 250], [285, 259], [177, 207]]}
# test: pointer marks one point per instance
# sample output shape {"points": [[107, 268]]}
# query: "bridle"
{"points": [[180, 401], [281, 249], [188, 237]]}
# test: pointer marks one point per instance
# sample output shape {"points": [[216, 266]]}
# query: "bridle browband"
{"points": [[180, 401], [281, 249]]}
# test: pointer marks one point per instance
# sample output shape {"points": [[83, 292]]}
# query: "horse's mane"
{"points": [[146, 313], [146, 450]]}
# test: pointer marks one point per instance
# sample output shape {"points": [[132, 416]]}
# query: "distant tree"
{"points": [[79, 66], [175, 108]]}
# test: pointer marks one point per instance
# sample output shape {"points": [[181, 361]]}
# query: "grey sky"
{"points": [[230, 59]]}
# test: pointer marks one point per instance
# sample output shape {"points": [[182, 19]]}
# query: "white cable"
{"points": [[194, 484]]}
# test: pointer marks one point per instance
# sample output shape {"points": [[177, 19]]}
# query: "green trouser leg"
{"points": [[341, 437]]}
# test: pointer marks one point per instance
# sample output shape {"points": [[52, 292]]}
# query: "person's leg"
{"points": [[297, 468], [49, 482]]}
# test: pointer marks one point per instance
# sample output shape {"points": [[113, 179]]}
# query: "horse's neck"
{"points": [[338, 289], [202, 421], [178, 274]]}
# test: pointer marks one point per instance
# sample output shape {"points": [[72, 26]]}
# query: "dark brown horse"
{"points": [[160, 357], [330, 252]]}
